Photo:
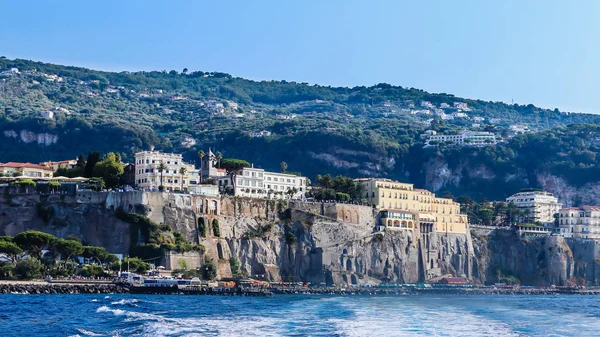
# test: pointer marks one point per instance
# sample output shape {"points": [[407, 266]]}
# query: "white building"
{"points": [[461, 106], [258, 134], [465, 138], [9, 72], [257, 183], [580, 222], [444, 105], [538, 206], [148, 176], [48, 114], [427, 104]]}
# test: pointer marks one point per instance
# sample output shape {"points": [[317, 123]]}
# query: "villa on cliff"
{"points": [[258, 183], [148, 175], [538, 206], [580, 222], [404, 207]]}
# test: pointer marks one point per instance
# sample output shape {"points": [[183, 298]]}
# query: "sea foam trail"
{"points": [[125, 301], [89, 333]]}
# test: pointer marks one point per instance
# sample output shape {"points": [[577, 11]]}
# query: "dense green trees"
{"points": [[233, 166], [339, 188]]}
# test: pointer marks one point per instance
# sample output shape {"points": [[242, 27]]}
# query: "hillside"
{"points": [[360, 131]]}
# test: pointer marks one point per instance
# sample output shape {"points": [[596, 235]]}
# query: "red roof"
{"points": [[26, 165], [453, 280]]}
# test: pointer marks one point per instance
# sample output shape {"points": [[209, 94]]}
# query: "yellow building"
{"points": [[12, 169], [387, 194]]}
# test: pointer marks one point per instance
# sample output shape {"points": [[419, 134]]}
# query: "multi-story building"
{"points": [[258, 183], [55, 165], [465, 138], [148, 176], [580, 222], [537, 206], [13, 169], [398, 197]]}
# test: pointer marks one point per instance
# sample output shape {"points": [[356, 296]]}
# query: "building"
{"points": [[537, 206], [128, 177], [9, 72], [12, 169], [48, 114], [148, 176], [258, 134], [580, 222], [461, 106], [210, 167], [402, 198], [465, 138], [258, 183], [55, 165]]}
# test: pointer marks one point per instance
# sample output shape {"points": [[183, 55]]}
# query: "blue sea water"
{"points": [[301, 315]]}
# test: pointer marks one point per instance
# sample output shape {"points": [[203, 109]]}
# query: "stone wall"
{"points": [[193, 260]]}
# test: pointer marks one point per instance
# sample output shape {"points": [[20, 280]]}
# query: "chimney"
{"points": [[252, 165]]}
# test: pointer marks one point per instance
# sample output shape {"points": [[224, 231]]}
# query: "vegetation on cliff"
{"points": [[360, 131]]}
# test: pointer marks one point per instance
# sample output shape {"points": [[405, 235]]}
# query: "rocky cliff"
{"points": [[540, 261], [83, 215], [319, 243]]}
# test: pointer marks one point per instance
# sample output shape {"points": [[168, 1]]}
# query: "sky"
{"points": [[543, 52]]}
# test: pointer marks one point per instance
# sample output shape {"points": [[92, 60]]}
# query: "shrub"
{"points": [[290, 238], [234, 263], [202, 227], [28, 269], [92, 271], [216, 230]]}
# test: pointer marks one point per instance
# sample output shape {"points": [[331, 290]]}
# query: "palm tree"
{"points": [[284, 166], [182, 171], [161, 168], [201, 155], [218, 157]]}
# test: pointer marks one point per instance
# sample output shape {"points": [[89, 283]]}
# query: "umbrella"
{"points": [[60, 178], [79, 179]]}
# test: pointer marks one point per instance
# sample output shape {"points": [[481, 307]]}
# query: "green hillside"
{"points": [[360, 131]]}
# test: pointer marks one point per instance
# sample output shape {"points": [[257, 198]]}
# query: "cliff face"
{"points": [[63, 215], [318, 243], [541, 261]]}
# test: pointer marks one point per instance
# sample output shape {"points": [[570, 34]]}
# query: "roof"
{"points": [[582, 208], [453, 280], [26, 165]]}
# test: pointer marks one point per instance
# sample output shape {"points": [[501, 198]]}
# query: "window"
{"points": [[260, 175], [275, 179], [269, 178]]}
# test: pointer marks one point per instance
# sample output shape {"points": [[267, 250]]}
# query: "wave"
{"points": [[88, 333], [126, 301]]}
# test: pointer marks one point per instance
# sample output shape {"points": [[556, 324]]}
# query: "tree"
{"points": [[67, 248], [99, 253], [161, 168], [110, 169], [10, 249], [233, 167], [27, 269], [136, 264], [81, 161], [218, 158], [284, 166], [92, 159], [185, 71], [33, 242], [201, 155], [209, 270], [182, 172]]}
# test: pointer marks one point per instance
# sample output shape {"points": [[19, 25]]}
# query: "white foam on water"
{"points": [[89, 333], [94, 300], [125, 301]]}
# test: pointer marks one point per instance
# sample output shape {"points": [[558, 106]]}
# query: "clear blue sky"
{"points": [[543, 52]]}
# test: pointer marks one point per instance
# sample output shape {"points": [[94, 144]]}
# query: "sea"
{"points": [[299, 315]]}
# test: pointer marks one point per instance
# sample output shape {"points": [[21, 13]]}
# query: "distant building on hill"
{"points": [[148, 175], [9, 72], [580, 222], [465, 138], [537, 206]]}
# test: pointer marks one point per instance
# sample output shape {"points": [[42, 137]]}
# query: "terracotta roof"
{"points": [[26, 165]]}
